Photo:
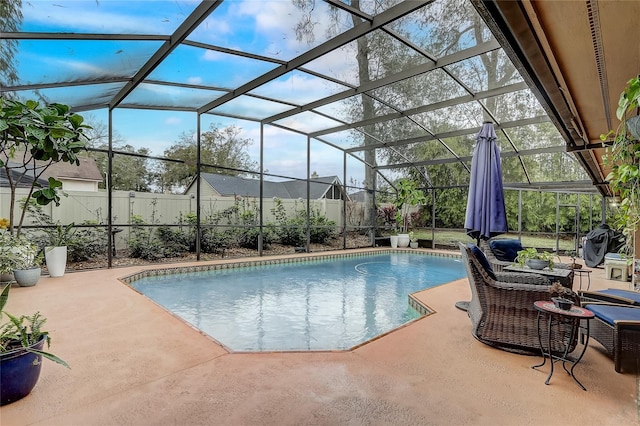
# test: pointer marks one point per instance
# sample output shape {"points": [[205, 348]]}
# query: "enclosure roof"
{"points": [[433, 73], [577, 56]]}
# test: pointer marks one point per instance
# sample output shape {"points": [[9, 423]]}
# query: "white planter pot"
{"points": [[403, 240], [27, 277], [56, 259], [413, 244], [394, 241]]}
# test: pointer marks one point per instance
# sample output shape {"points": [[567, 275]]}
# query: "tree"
{"points": [[32, 138], [219, 147], [10, 20], [130, 172]]}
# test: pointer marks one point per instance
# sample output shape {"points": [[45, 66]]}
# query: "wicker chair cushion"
{"points": [[505, 249], [627, 294], [610, 313], [483, 260]]}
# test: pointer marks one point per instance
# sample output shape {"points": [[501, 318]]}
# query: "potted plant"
{"points": [[574, 255], [26, 259], [21, 343], [562, 297], [534, 259], [623, 158], [393, 239], [32, 138], [6, 261], [407, 196], [56, 242], [413, 240]]}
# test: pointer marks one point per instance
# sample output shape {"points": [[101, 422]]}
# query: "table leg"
{"points": [[584, 349], [544, 355], [550, 320]]}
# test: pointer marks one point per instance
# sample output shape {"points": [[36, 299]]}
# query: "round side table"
{"points": [[557, 316]]}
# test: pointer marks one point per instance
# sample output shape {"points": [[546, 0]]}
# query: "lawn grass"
{"points": [[538, 241]]}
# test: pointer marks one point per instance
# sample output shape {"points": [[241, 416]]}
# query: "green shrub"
{"points": [[88, 243], [143, 242], [176, 241], [293, 231]]}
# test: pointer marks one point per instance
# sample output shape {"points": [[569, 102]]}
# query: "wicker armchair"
{"points": [[498, 265], [616, 326], [502, 312]]}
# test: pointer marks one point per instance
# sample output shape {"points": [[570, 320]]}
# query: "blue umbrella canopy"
{"points": [[486, 214]]}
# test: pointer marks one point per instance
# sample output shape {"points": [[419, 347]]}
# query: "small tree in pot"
{"points": [[407, 196]]}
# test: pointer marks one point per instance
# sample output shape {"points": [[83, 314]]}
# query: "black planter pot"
{"points": [[19, 372], [562, 303]]}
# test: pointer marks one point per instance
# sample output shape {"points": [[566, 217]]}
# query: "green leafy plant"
{"points": [[18, 333], [407, 196], [143, 241], [623, 158], [293, 230], [32, 138], [533, 253], [16, 252], [60, 235]]}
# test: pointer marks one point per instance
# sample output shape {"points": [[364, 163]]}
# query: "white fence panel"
{"points": [[81, 206]]}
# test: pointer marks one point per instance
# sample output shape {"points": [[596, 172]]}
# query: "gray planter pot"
{"points": [[6, 278], [537, 264], [27, 277]]}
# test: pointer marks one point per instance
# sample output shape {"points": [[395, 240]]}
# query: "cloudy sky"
{"points": [[259, 27]]}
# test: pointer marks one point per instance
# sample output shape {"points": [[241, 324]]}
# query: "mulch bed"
{"points": [[122, 258]]}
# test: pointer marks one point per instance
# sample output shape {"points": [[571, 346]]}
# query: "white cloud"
{"points": [[106, 17], [194, 80], [213, 55], [173, 121]]}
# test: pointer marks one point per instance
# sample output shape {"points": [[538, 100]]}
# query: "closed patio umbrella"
{"points": [[486, 214]]}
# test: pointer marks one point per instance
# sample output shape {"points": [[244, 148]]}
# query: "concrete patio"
{"points": [[133, 363]]}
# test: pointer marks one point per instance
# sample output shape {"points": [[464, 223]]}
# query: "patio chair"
{"points": [[617, 328], [502, 252], [501, 307], [611, 295]]}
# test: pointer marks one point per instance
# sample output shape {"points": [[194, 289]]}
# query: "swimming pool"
{"points": [[319, 304]]}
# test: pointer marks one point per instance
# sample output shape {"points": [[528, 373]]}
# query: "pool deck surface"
{"points": [[133, 363]]}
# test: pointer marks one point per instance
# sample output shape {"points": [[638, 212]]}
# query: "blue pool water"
{"points": [[314, 305]]}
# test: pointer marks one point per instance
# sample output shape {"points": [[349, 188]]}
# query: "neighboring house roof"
{"points": [[87, 171], [24, 182], [232, 185]]}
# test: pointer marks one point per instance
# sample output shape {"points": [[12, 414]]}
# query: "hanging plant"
{"points": [[623, 158]]}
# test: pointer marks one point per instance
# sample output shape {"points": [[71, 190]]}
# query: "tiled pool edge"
{"points": [[235, 263]]}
